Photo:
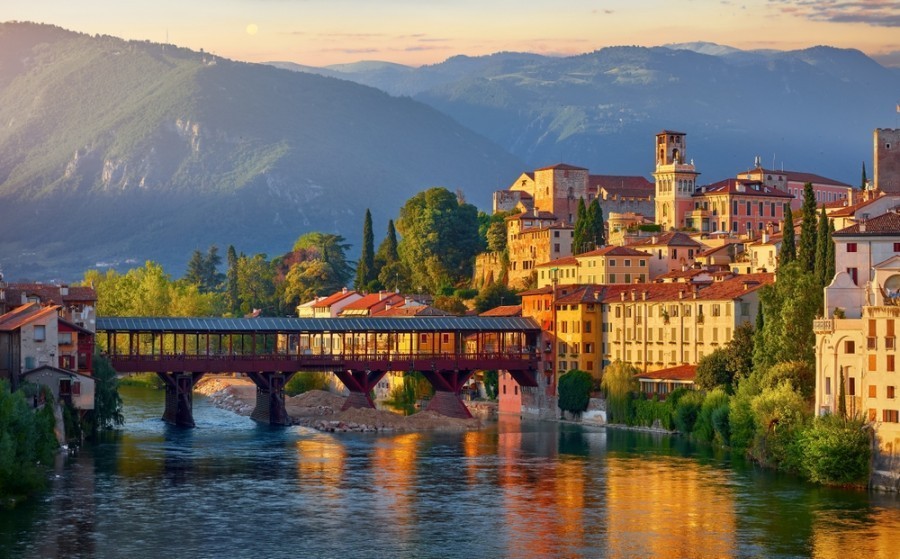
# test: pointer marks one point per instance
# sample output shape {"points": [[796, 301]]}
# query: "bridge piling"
{"points": [[270, 397], [447, 387], [360, 384], [180, 397]]}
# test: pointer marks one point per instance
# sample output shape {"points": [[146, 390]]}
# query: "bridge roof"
{"points": [[317, 325]]}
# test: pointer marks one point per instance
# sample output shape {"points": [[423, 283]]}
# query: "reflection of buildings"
{"points": [[320, 467], [394, 477], [668, 508]]}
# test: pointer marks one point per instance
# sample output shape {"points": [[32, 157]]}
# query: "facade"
{"points": [[792, 182], [328, 307], [664, 325], [372, 303], [737, 206], [873, 205], [670, 251], [76, 304], [29, 338], [887, 160], [607, 265], [533, 238], [661, 383], [675, 180], [578, 318]]}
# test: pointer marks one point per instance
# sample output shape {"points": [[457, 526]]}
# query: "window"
{"points": [[40, 333], [854, 275], [445, 338], [65, 338], [851, 386], [873, 391], [896, 247], [612, 278], [627, 262], [890, 416], [555, 247], [643, 263], [890, 392], [749, 208], [588, 347], [563, 366], [556, 234], [827, 386], [851, 247], [734, 208], [849, 346], [587, 326], [612, 262], [890, 363]]}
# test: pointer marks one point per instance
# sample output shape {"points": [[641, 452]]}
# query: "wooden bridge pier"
{"points": [[180, 397], [360, 384], [270, 397], [447, 388]]}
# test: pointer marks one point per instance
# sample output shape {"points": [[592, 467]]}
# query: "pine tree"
{"points": [[195, 268], [579, 235], [760, 319], [806, 249], [788, 248], [865, 179], [365, 269], [822, 238]]}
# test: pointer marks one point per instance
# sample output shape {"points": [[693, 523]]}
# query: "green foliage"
{"points": [[806, 250], [739, 350], [822, 240], [686, 411], [491, 380], [319, 267], [836, 450], [596, 230], [495, 295], [451, 304], [27, 443], [415, 387], [232, 293], [256, 283], [800, 375], [304, 382], [788, 252], [145, 380], [742, 421], [830, 262], [107, 412], [439, 239], [619, 385], [712, 419], [575, 391], [714, 370], [579, 233], [646, 412], [465, 293], [203, 271], [365, 268], [780, 413], [496, 237], [790, 306]]}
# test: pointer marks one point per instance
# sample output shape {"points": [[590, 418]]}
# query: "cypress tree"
{"points": [[842, 397], [580, 234], [806, 249], [788, 247], [231, 282], [830, 264], [760, 320], [387, 250], [365, 269], [821, 266], [598, 232], [865, 179]]}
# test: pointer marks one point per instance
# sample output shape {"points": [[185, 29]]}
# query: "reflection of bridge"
{"points": [[360, 351]]}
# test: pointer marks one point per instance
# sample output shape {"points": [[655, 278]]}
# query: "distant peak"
{"points": [[702, 47]]}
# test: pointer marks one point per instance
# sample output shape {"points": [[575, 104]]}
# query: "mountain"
{"points": [[810, 110], [120, 151]]}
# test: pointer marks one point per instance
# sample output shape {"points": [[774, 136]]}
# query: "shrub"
{"points": [[686, 411], [575, 391], [741, 421], [304, 382], [619, 385], [836, 450], [704, 429], [779, 413], [465, 293]]}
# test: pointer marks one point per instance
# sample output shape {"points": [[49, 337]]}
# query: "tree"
{"points": [[619, 384], [836, 450], [26, 442], [800, 375], [496, 237], [788, 247], [842, 395], [830, 257], [232, 299], [365, 268], [864, 181], [580, 231], [495, 295], [790, 305], [256, 286], [806, 250], [822, 240], [107, 412], [714, 370], [740, 350], [203, 271], [317, 266], [575, 391], [439, 239], [596, 230]]}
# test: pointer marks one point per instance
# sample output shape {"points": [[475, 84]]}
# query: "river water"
{"points": [[232, 488]]}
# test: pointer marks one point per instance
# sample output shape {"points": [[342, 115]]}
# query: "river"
{"points": [[232, 488]]}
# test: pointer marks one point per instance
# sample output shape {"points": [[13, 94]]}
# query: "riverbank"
{"points": [[321, 410]]}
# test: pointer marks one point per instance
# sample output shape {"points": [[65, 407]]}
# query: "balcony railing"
{"points": [[823, 326]]}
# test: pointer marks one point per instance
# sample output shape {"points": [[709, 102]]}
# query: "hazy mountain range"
{"points": [[808, 110], [119, 151]]}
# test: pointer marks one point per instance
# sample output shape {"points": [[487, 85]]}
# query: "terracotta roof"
{"points": [[564, 261], [334, 298], [680, 372], [615, 250], [797, 176], [624, 185], [546, 290], [586, 294], [664, 131], [672, 238], [850, 211], [726, 290], [750, 188], [49, 293], [505, 310], [534, 214], [417, 310], [681, 274], [885, 224], [563, 167], [24, 314], [373, 301]]}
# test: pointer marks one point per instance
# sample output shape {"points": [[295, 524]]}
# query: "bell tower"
{"points": [[675, 180]]}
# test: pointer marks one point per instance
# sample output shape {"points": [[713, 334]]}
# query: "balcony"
{"points": [[823, 326]]}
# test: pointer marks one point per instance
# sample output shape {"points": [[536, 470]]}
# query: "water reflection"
{"points": [[232, 488]]}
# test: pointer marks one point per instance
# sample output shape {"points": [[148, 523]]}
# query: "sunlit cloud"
{"points": [[878, 13], [889, 58]]}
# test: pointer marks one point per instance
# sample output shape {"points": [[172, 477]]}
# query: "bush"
{"points": [[836, 450], [304, 382], [27, 443], [705, 428], [779, 413], [465, 293], [575, 391], [619, 385], [741, 421], [647, 412], [686, 411]]}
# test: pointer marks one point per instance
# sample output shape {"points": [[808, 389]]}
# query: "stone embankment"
{"points": [[322, 410]]}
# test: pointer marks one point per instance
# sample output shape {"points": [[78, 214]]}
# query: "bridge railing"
{"points": [[337, 357]]}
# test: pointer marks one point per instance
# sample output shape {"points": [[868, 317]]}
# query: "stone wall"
{"points": [[488, 269]]}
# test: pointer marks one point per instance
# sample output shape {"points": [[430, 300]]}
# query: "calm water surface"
{"points": [[232, 488]]}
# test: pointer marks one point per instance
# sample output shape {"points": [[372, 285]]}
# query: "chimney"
{"points": [[64, 290], [644, 295], [765, 236], [622, 296], [634, 294], [681, 294]]}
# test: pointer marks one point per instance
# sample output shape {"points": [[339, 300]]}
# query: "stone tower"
{"points": [[887, 160], [675, 180]]}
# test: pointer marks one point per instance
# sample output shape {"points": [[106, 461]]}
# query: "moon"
{"points": [[252, 29]]}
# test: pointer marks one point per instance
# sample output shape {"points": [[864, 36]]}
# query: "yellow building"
{"points": [[607, 265], [656, 326], [578, 327]]}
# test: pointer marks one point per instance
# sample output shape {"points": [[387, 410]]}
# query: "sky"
{"points": [[417, 32]]}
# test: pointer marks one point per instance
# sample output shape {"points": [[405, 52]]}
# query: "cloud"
{"points": [[877, 13], [890, 58]]}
